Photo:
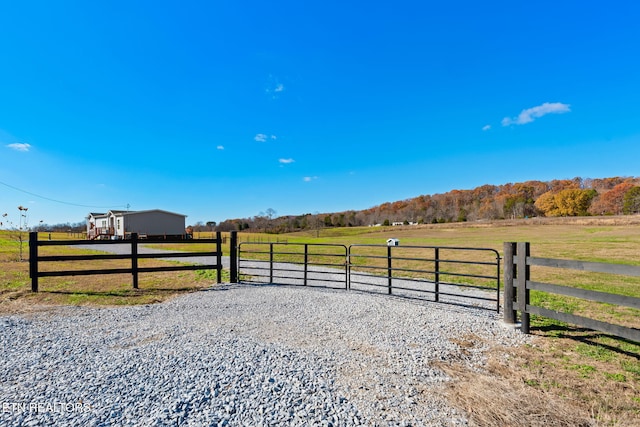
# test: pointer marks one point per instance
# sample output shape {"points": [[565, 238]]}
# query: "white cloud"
{"points": [[309, 178], [220, 147], [273, 87], [263, 137], [19, 146], [530, 114], [486, 127], [286, 161]]}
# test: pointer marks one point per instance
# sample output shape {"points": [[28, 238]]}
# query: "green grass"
{"points": [[615, 377], [585, 371], [632, 368], [212, 275], [597, 352]]}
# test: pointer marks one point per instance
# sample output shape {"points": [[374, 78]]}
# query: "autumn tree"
{"points": [[558, 185], [568, 202], [546, 204], [574, 201], [489, 210], [611, 202], [519, 206], [631, 204], [605, 184]]}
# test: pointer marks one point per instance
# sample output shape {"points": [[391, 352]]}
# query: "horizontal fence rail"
{"points": [[455, 274], [36, 259], [518, 285], [293, 263], [449, 274]]}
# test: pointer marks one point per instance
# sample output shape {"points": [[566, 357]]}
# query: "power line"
{"points": [[60, 201]]}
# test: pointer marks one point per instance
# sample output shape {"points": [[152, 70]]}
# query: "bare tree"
{"points": [[270, 213], [18, 232]]}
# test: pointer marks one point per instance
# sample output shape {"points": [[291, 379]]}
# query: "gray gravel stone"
{"points": [[245, 356]]}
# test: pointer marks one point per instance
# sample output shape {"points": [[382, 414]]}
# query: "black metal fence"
{"points": [[449, 274], [36, 259], [518, 284]]}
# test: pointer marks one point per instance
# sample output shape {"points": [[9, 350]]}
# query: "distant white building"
{"points": [[149, 223]]}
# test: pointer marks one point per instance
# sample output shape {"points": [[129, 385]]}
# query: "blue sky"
{"points": [[225, 109]]}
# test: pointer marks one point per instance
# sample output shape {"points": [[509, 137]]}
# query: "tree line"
{"points": [[562, 197]]}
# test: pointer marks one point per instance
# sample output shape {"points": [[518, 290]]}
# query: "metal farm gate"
{"points": [[463, 276], [294, 264]]}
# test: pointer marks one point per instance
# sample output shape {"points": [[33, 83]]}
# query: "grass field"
{"points": [[567, 376]]}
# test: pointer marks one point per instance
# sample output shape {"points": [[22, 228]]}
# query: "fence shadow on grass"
{"points": [[590, 337]]}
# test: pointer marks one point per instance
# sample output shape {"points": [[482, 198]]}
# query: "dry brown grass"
{"points": [[106, 290], [553, 382]]}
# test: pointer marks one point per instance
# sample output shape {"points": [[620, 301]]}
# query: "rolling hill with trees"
{"points": [[564, 197]]}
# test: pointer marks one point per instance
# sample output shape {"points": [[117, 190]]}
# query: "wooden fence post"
{"points": [[33, 260], [219, 256], [233, 257], [134, 259], [522, 275], [509, 290]]}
